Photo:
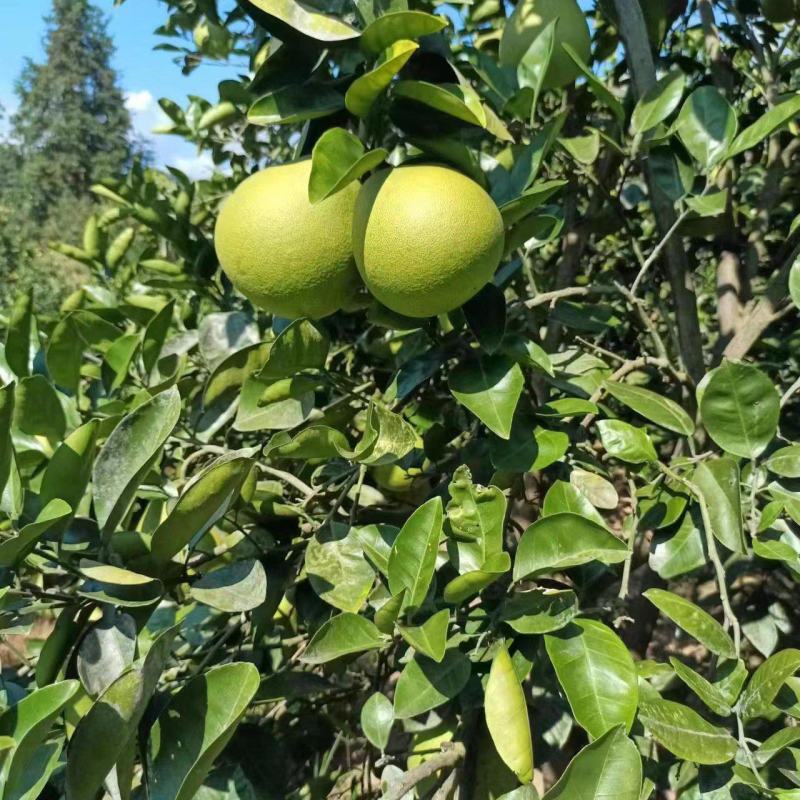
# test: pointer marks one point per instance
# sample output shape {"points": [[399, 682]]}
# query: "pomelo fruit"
{"points": [[286, 256], [529, 19], [426, 239]]}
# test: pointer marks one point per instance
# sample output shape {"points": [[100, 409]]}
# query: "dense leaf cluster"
{"points": [[544, 545]]}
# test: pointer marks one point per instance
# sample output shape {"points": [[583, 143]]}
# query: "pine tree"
{"points": [[72, 127]]}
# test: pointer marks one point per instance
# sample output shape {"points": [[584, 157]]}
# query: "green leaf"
{"points": [[28, 723], [295, 103], [564, 497], [342, 635], [785, 462], [105, 583], [37, 410], [7, 463], [693, 620], [118, 359], [203, 503], [274, 405], [685, 733], [412, 561], [652, 406], [626, 442], [195, 727], [377, 719], [540, 611], [705, 690], [658, 103], [520, 207], [718, 481], [107, 728], [19, 334], [461, 102], [597, 674], [424, 684], [776, 743], [430, 638], [606, 768], [337, 569], [533, 66], [155, 335], [740, 408], [314, 442], [710, 204], [17, 548], [584, 149], [307, 20], [233, 370], [794, 283], [107, 649], [337, 160], [387, 614], [766, 682], [469, 584], [128, 455], [486, 316], [773, 119], [490, 388], [476, 515], [365, 90], [300, 346], [596, 86], [562, 541], [706, 125], [237, 587], [387, 438], [675, 554], [507, 716], [390, 28]]}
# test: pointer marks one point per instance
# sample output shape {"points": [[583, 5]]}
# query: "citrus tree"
{"points": [[441, 443]]}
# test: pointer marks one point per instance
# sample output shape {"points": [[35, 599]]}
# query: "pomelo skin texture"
{"points": [[286, 256], [528, 20], [426, 239]]}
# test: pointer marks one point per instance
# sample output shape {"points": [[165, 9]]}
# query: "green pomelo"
{"points": [[286, 256], [779, 11], [529, 19], [426, 239]]}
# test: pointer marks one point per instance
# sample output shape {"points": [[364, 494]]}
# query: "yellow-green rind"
{"points": [[286, 256], [529, 19], [426, 239]]}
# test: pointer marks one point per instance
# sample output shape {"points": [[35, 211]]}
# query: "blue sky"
{"points": [[145, 75]]}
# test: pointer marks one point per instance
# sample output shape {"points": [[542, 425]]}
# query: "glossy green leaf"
{"points": [[342, 635], [597, 674], [740, 408], [520, 207], [706, 125], [386, 616], [528, 448], [599, 491], [785, 462], [104, 732], [233, 370], [106, 651], [337, 569], [377, 719], [718, 481], [129, 453], [300, 346], [338, 159], [476, 515], [562, 541], [705, 690], [387, 438], [365, 90], [461, 102], [314, 442], [596, 86], [195, 727], [412, 560], [469, 584], [486, 316], [773, 119], [106, 583], [766, 682], [6, 445], [658, 103], [652, 406], [540, 611], [507, 716], [387, 29], [626, 442], [776, 743], [237, 587], [307, 20], [677, 552], [564, 497], [203, 502], [16, 548], [430, 638], [274, 405], [68, 473], [490, 388], [28, 724], [533, 66], [696, 622], [295, 103], [118, 359], [685, 733], [608, 767], [424, 684], [794, 283], [19, 334], [37, 409]]}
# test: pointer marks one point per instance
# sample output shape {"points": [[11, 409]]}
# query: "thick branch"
{"points": [[452, 753], [643, 71]]}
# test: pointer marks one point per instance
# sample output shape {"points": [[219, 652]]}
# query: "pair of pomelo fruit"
{"points": [[422, 238]]}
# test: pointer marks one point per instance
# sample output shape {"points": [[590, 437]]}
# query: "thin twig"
{"points": [[452, 753]]}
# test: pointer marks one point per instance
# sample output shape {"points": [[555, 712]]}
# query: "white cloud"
{"points": [[139, 102], [196, 167]]}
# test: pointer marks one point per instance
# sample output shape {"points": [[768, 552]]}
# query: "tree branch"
{"points": [[452, 753]]}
